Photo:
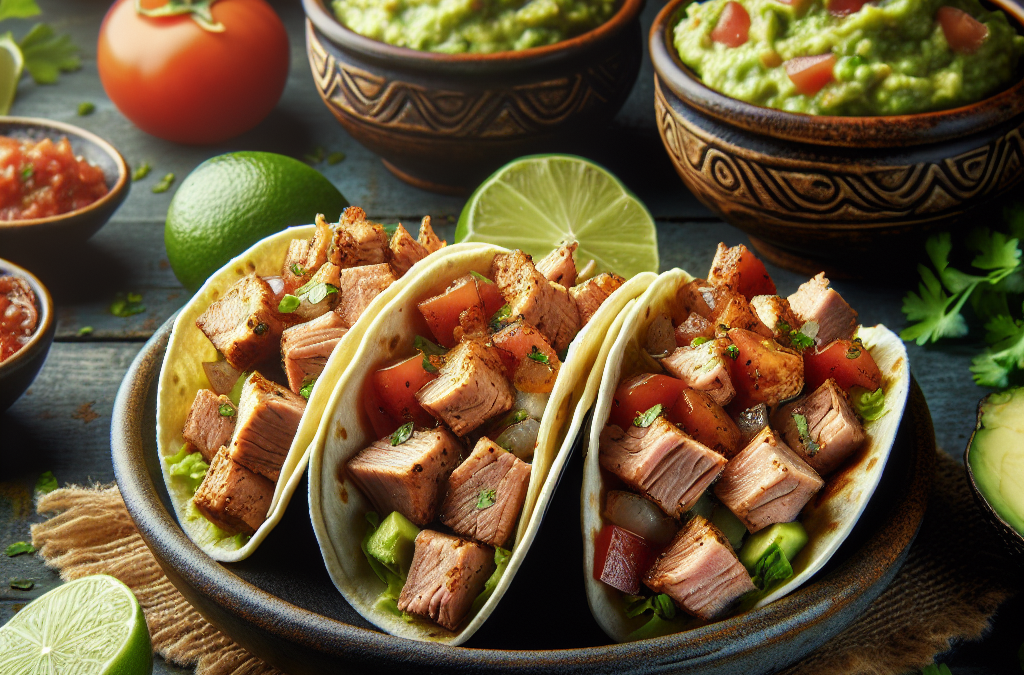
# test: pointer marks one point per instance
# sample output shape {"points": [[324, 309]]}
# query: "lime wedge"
{"points": [[91, 626], [538, 202], [11, 63]]}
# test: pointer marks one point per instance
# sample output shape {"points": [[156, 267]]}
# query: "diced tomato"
{"points": [[706, 421], [963, 32], [738, 268], [521, 339], [621, 558], [845, 7], [442, 311], [490, 296], [535, 374], [733, 25], [762, 371], [846, 362], [639, 394], [381, 421], [397, 385], [810, 73]]}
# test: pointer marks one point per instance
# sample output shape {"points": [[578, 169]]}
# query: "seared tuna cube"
{"points": [[694, 327], [243, 324], [411, 477], [780, 318], [764, 371], [268, 417], [559, 266], [305, 348], [232, 497], [738, 269], [822, 428], [815, 301], [329, 274], [359, 286], [206, 427], [544, 304], [700, 571], [767, 483], [661, 338], [733, 311], [704, 368], [662, 462], [405, 251], [427, 238], [470, 389], [446, 575], [591, 294], [304, 258], [486, 494], [357, 241]]}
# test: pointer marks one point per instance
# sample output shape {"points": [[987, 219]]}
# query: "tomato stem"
{"points": [[198, 10]]}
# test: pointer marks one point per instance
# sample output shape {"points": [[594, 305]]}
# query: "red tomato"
{"points": [[397, 386], [706, 421], [963, 32], [845, 7], [382, 422], [442, 311], [753, 276], [490, 296], [520, 339], [810, 73], [733, 25], [621, 558], [760, 364], [848, 363], [185, 84], [641, 393]]}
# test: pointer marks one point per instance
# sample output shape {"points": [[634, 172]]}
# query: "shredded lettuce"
{"points": [[188, 465], [388, 599], [663, 619], [870, 405], [501, 558]]}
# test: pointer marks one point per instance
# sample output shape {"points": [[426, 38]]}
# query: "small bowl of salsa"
{"points": [[58, 183], [26, 330]]}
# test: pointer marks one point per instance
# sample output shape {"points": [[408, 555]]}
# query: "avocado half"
{"points": [[995, 464]]}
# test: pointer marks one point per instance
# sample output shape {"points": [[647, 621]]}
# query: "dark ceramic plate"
{"points": [[280, 603]]}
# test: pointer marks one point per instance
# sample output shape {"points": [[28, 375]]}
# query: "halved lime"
{"points": [[11, 64], [538, 202], [90, 626]]}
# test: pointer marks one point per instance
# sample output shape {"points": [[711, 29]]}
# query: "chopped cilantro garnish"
{"points": [[19, 547], [783, 327], [165, 183], [22, 584], [298, 270], [226, 410], [486, 499], [733, 352], [307, 389], [127, 304], [46, 54], [141, 171], [804, 431], [771, 568], [86, 108], [84, 330], [698, 341], [538, 356], [647, 418], [870, 405], [336, 157], [500, 317], [46, 482], [428, 349], [852, 353], [27, 171], [800, 341], [315, 291], [402, 434], [480, 277], [289, 303]]}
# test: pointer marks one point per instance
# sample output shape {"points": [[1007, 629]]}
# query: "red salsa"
{"points": [[18, 315], [42, 179]]}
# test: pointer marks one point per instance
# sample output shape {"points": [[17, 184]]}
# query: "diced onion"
{"points": [[520, 439], [221, 375], [752, 420], [277, 285], [640, 516], [810, 329], [533, 404]]}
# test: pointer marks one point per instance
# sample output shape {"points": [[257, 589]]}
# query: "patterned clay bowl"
{"points": [[444, 122], [19, 370], [845, 194], [280, 603]]}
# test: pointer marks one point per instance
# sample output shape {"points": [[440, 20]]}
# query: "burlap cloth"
{"points": [[953, 580]]}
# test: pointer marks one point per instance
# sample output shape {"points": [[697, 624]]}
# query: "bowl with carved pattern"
{"points": [[444, 122], [850, 195]]}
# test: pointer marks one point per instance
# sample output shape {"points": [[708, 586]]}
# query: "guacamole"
{"points": [[888, 57], [476, 26]]}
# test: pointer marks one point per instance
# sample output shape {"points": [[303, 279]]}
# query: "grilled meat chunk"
{"points": [[268, 417], [243, 324], [326, 296], [704, 368], [357, 241], [446, 575], [411, 477], [590, 294], [662, 462], [700, 571], [661, 339], [815, 301], [559, 265], [405, 251], [721, 306], [738, 269], [822, 428], [305, 348], [206, 429], [764, 371], [486, 494], [694, 327], [232, 497], [470, 389], [359, 286], [542, 303], [776, 313], [427, 238], [767, 482], [305, 257]]}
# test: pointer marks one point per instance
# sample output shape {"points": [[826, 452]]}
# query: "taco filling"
{"points": [[458, 422], [276, 335], [718, 439]]}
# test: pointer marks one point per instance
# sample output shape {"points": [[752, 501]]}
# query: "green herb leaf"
{"points": [[402, 434], [46, 482], [428, 349], [48, 54], [698, 341], [500, 317], [480, 277], [27, 172], [18, 9], [538, 356], [165, 183], [315, 156], [335, 158], [141, 171], [127, 304], [84, 331], [315, 292], [805, 435], [661, 605], [937, 313], [733, 352], [19, 547], [870, 405], [307, 389], [993, 367], [86, 108], [647, 418], [298, 270], [486, 498], [800, 341], [771, 568], [226, 410], [22, 584], [289, 303]]}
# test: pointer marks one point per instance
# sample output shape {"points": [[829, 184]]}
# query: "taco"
{"points": [[446, 436], [736, 439], [251, 362]]}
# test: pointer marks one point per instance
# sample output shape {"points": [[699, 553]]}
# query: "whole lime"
{"points": [[231, 201]]}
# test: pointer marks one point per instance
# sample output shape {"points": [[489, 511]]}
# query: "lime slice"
{"points": [[11, 63], [538, 202], [91, 626]]}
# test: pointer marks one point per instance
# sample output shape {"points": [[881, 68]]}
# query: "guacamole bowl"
{"points": [[444, 122], [850, 195]]}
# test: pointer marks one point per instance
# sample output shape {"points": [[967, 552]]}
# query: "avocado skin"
{"points": [[995, 457]]}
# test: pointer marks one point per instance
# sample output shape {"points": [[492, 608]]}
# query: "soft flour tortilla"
{"points": [[828, 517], [182, 375], [336, 505]]}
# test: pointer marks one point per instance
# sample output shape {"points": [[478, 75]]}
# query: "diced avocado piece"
{"points": [[236, 391], [997, 455], [393, 543], [791, 537], [731, 526]]}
